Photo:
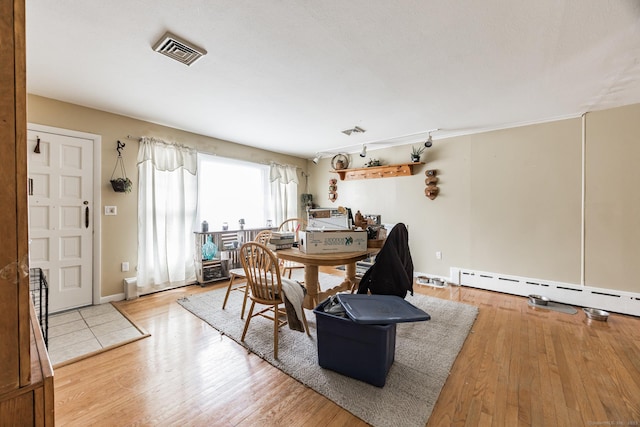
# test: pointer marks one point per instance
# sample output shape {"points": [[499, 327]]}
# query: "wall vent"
{"points": [[356, 129], [178, 49]]}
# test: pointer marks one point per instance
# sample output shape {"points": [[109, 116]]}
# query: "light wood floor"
{"points": [[519, 366]]}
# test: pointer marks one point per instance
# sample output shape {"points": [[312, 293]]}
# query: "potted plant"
{"points": [[416, 152], [121, 185]]}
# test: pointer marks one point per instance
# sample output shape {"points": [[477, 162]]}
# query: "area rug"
{"points": [[424, 355], [77, 334]]}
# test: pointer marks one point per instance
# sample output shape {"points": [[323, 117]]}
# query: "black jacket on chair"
{"points": [[392, 273]]}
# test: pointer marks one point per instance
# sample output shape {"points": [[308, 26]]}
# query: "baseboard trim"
{"points": [[112, 298], [566, 293]]}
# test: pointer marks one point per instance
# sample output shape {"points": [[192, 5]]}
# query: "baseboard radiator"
{"points": [[584, 296], [130, 288]]}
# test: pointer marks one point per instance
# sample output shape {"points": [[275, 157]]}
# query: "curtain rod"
{"points": [[139, 138], [271, 162]]}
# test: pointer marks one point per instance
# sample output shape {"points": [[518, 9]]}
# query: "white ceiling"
{"points": [[290, 75]]}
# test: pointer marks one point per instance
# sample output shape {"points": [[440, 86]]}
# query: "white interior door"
{"points": [[61, 216]]}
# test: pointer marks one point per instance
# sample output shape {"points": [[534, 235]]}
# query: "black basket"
{"points": [[121, 185]]}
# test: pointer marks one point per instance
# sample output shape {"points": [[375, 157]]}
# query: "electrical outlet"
{"points": [[438, 255], [111, 210], [125, 266]]}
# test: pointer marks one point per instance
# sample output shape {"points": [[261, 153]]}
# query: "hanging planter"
{"points": [[120, 184]]}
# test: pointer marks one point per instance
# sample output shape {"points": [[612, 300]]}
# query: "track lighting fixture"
{"points": [[429, 141], [363, 153], [316, 159]]}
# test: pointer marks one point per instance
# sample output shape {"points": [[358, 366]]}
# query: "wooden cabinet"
{"points": [[387, 171], [26, 378]]}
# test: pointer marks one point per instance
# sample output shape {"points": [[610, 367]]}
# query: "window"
{"points": [[232, 189]]}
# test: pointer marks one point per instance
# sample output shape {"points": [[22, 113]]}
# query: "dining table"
{"points": [[312, 262]]}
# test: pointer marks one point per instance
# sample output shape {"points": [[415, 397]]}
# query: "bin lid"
{"points": [[380, 309]]}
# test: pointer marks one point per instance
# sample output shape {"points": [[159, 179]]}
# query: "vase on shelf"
{"points": [[209, 249]]}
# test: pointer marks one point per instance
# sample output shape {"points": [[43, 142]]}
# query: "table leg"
{"points": [[350, 276], [311, 283], [347, 283]]}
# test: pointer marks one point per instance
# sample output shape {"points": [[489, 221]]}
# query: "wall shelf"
{"points": [[385, 171]]}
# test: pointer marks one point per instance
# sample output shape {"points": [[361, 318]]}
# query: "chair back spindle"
{"points": [[262, 272]]}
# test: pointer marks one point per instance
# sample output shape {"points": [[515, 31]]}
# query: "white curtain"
{"points": [[284, 192], [167, 205]]}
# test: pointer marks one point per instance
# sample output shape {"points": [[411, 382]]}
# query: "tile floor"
{"points": [[86, 330]]}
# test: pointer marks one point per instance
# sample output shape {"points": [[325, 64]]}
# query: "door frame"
{"points": [[97, 198]]}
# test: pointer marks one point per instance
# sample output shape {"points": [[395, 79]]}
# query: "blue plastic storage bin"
{"points": [[380, 309], [360, 351], [362, 345]]}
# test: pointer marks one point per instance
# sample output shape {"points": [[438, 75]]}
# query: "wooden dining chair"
{"points": [[296, 226], [238, 273], [265, 283]]}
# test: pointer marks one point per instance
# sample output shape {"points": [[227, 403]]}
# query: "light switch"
{"points": [[111, 210]]}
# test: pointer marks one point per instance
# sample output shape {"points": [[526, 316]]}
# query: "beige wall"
{"points": [[510, 201], [612, 213], [119, 233], [526, 201]]}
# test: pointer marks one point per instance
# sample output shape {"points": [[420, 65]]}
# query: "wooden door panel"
{"points": [[61, 238]]}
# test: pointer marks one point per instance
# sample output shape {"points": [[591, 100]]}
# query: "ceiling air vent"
{"points": [[356, 129], [181, 50]]}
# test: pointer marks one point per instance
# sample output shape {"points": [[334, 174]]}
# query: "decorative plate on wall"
{"points": [[340, 161]]}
